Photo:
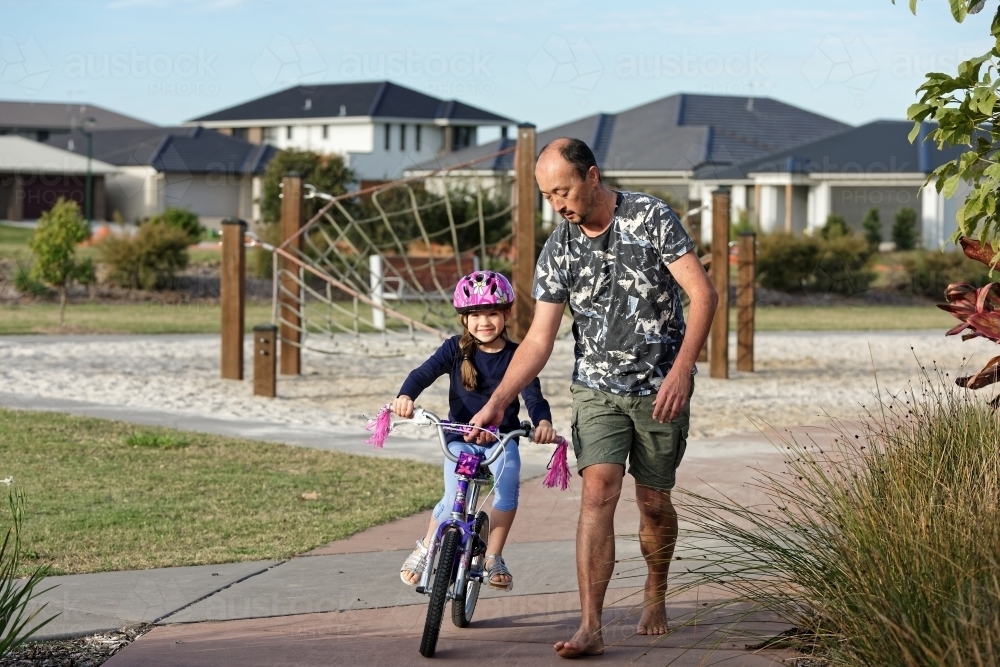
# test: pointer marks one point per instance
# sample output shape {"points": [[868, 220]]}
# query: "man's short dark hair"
{"points": [[577, 153]]}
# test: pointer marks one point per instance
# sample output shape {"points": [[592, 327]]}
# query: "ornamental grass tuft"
{"points": [[883, 549]]}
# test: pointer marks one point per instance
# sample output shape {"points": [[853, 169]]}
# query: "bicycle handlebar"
{"points": [[425, 417]]}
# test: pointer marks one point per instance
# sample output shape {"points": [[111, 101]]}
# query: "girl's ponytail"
{"points": [[467, 346]]}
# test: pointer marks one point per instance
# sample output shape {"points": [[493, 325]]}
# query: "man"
{"points": [[620, 260]]}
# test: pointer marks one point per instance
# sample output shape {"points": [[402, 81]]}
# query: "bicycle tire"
{"points": [[443, 575], [462, 610]]}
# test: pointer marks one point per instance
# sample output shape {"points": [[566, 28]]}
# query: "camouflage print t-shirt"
{"points": [[627, 315]]}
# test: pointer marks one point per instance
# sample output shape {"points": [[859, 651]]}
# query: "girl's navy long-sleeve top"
{"points": [[490, 367]]}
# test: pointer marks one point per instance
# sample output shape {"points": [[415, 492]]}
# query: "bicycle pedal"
{"points": [[421, 589]]}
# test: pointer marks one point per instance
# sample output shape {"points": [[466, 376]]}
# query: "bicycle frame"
{"points": [[466, 495]]}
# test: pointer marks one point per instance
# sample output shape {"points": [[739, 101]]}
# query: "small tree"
{"points": [[835, 227], [328, 173], [904, 229], [873, 228], [54, 246]]}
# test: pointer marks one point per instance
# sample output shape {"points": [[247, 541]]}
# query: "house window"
{"points": [[240, 133], [402, 138], [270, 135], [326, 131], [288, 132], [417, 138], [388, 134]]}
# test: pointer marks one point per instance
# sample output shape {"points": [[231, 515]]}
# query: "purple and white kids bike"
{"points": [[457, 551]]}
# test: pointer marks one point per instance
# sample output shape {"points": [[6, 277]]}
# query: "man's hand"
{"points": [[488, 416], [544, 433], [403, 407], [672, 396]]}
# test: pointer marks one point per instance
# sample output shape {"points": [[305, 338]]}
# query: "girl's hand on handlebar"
{"points": [[544, 433], [403, 407]]}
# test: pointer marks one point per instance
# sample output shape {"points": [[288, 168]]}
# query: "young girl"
{"points": [[476, 362]]}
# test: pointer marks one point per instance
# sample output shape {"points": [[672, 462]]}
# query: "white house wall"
{"points": [[769, 213], [818, 206], [132, 192], [388, 164]]}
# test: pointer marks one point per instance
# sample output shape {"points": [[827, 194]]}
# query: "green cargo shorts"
{"points": [[608, 428]]}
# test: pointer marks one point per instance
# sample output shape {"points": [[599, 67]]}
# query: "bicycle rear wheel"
{"points": [[462, 610], [443, 576]]}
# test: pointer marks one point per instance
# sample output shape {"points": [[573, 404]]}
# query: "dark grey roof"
{"points": [[882, 146], [683, 132], [61, 116], [193, 150], [378, 99]]}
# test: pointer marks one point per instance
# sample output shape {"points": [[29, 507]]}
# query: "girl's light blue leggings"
{"points": [[506, 478]]}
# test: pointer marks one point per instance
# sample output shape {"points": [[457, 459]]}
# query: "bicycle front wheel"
{"points": [[462, 610], [443, 575]]}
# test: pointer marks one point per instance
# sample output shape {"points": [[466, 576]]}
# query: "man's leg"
{"points": [[657, 538], [595, 555]]}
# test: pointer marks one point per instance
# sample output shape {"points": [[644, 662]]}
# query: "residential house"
{"points": [[659, 147], [380, 128], [33, 176], [213, 175], [871, 166], [40, 120]]}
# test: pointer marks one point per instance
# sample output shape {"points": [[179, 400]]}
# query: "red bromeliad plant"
{"points": [[979, 312]]}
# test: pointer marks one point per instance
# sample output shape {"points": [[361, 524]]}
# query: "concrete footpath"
{"points": [[343, 603]]}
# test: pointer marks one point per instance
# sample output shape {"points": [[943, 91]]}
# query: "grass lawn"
{"points": [[153, 318], [125, 318], [104, 495], [845, 318]]}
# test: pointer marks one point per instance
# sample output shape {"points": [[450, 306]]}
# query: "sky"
{"points": [[168, 61]]}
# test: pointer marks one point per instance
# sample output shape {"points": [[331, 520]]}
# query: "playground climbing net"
{"points": [[386, 258]]}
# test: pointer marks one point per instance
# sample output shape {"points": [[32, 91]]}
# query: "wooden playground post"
{"points": [[745, 302], [265, 360], [718, 350], [291, 292], [524, 231], [232, 294]]}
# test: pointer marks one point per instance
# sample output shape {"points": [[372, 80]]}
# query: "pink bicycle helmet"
{"points": [[483, 289]]}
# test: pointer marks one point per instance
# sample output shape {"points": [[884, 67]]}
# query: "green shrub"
{"points": [[881, 548], [183, 219], [930, 271], [835, 226], [842, 266], [904, 229], [785, 261], [872, 226], [149, 259], [789, 263]]}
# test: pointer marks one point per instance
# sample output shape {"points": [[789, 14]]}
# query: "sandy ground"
{"points": [[799, 378]]}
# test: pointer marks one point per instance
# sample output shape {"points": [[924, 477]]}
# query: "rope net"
{"points": [[386, 259]]}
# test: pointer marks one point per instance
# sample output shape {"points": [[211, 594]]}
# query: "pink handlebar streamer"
{"points": [[380, 427], [558, 474]]}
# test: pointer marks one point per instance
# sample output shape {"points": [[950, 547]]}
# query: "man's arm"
{"points": [[690, 275], [528, 361]]}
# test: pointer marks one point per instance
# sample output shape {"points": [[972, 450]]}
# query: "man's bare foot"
{"points": [[583, 643], [653, 621], [654, 614]]}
